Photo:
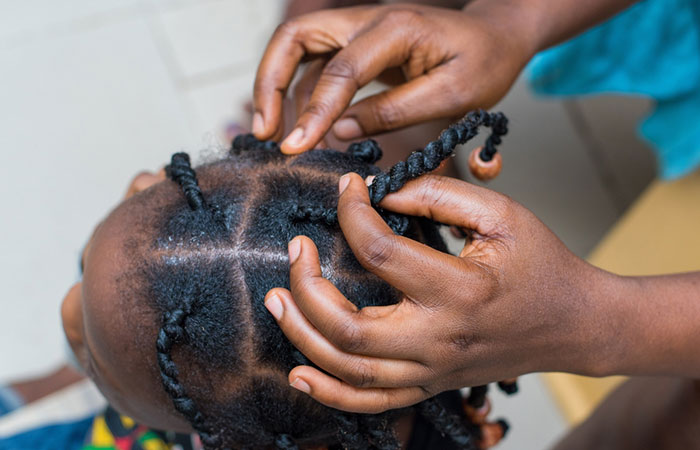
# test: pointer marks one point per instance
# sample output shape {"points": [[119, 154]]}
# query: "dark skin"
{"points": [[447, 62], [98, 327], [515, 300]]}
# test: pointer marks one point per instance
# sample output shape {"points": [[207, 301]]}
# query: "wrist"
{"points": [[602, 332], [522, 24]]}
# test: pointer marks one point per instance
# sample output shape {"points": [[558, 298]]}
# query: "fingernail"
{"points": [[347, 128], [369, 179], [301, 385], [295, 137], [343, 183], [258, 123], [294, 249], [274, 305]]}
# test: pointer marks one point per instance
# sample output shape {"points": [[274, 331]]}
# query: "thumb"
{"points": [[419, 100], [453, 202]]}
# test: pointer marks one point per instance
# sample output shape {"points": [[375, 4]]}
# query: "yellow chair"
{"points": [[657, 235]]}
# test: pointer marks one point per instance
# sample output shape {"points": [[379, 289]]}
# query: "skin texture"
{"points": [[94, 322], [442, 63], [514, 301]]}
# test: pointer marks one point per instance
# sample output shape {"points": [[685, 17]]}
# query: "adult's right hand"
{"points": [[453, 61], [514, 301]]}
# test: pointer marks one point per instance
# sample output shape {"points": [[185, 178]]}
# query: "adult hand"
{"points": [[514, 301], [453, 62]]}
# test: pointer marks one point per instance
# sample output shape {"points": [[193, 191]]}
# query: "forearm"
{"points": [[653, 325], [541, 24]]}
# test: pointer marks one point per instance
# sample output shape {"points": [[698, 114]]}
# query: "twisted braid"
{"points": [[367, 151], [180, 171], [379, 432], [447, 423], [477, 396], [428, 159], [172, 332], [509, 388], [349, 434], [417, 164]]}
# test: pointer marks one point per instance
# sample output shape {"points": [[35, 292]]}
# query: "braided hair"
{"points": [[224, 247]]}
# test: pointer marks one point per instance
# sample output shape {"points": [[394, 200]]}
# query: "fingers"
{"points": [[276, 70], [388, 332], [359, 371], [316, 33], [453, 202], [339, 395], [410, 266], [305, 87], [419, 100], [351, 68]]}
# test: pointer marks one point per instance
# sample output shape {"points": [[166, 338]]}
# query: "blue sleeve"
{"points": [[651, 49]]}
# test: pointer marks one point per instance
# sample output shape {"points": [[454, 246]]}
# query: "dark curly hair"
{"points": [[221, 246]]}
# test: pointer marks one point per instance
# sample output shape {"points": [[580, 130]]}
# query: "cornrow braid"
{"points": [[180, 171], [172, 332], [428, 159], [314, 214]]}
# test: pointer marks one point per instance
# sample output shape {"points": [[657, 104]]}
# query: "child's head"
{"points": [[170, 322]]}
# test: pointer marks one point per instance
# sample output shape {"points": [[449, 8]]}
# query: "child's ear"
{"points": [[143, 181], [72, 318]]}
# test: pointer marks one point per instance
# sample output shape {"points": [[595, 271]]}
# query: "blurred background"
{"points": [[92, 92]]}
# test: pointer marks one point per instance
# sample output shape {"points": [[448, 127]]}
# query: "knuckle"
{"points": [[433, 189], [317, 108], [387, 114], [401, 16], [305, 285], [287, 29], [358, 372], [348, 336], [462, 341], [341, 71], [506, 210], [385, 403], [374, 254]]}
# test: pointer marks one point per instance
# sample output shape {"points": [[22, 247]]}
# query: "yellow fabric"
{"points": [[101, 436], [657, 235]]}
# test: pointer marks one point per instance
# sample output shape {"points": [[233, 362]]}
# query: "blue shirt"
{"points": [[650, 49]]}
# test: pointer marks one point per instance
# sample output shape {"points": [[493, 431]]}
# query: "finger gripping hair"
{"points": [[173, 332], [220, 254]]}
